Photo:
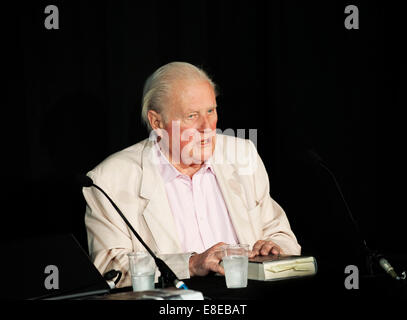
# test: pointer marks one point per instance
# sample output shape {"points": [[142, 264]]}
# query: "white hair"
{"points": [[158, 86]]}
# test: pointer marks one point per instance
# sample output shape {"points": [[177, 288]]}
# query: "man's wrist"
{"points": [[191, 264]]}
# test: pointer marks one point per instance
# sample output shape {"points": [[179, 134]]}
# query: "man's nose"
{"points": [[204, 124]]}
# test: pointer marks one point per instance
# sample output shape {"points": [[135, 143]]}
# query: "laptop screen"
{"points": [[49, 267]]}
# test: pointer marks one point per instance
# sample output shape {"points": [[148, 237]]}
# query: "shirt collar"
{"points": [[169, 172]]}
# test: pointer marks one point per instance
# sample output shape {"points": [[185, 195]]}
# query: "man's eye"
{"points": [[191, 116]]}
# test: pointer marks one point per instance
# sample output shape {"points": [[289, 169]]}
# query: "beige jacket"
{"points": [[131, 178]]}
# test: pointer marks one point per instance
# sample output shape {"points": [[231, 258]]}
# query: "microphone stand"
{"points": [[368, 252], [371, 255]]}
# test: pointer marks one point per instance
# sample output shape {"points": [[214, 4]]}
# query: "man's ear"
{"points": [[155, 119]]}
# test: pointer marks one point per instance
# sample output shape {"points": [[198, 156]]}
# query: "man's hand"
{"points": [[201, 264], [264, 248]]}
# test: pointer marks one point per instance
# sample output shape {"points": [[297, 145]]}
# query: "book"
{"points": [[273, 267]]}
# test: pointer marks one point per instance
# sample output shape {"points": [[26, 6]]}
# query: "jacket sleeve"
{"points": [[108, 237], [274, 223]]}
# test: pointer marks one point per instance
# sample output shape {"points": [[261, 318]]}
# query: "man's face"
{"points": [[191, 122]]}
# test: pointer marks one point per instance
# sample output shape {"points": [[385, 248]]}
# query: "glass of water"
{"points": [[235, 262], [142, 270]]}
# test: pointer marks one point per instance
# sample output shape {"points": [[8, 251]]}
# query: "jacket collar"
{"points": [[151, 160], [149, 170]]}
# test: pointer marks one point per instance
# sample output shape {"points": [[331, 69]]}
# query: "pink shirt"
{"points": [[197, 204]]}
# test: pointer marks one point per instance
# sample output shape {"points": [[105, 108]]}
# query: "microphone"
{"points": [[387, 267], [316, 159], [167, 275]]}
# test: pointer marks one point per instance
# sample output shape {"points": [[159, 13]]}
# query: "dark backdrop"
{"points": [[289, 69]]}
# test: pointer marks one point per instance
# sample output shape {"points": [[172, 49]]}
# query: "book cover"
{"points": [[275, 267]]}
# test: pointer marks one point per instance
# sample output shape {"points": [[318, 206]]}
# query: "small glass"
{"points": [[142, 270], [235, 262]]}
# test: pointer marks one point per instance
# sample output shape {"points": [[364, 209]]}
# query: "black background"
{"points": [[288, 69]]}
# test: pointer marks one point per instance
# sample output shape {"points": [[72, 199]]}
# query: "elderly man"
{"points": [[186, 190]]}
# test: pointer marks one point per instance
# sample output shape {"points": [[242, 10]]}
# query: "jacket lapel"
{"points": [[157, 213], [233, 193]]}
